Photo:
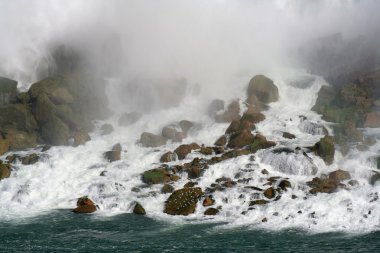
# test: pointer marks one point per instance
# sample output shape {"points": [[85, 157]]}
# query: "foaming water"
{"points": [[66, 173]]}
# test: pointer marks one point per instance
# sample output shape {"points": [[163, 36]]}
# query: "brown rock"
{"points": [[139, 209], [85, 205], [252, 115], [152, 140], [211, 211], [167, 188], [222, 141], [4, 146], [339, 175], [288, 135], [208, 201], [263, 89], [240, 139], [113, 155], [190, 184], [206, 151], [258, 202], [80, 138], [168, 157], [5, 170], [183, 201], [270, 193], [183, 150]]}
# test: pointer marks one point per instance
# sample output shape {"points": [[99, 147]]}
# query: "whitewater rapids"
{"points": [[66, 173]]}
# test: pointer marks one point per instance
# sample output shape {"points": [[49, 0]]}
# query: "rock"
{"points": [[284, 184], [263, 89], [190, 184], [8, 90], [252, 115], [183, 150], [208, 201], [168, 157], [114, 154], [80, 138], [378, 162], [325, 149], [139, 209], [264, 172], [186, 125], [258, 202], [20, 140], [151, 140], [4, 146], [85, 205], [30, 159], [23, 98], [183, 201], [240, 139], [156, 176], [231, 114], [215, 106], [211, 211], [372, 120], [128, 119], [222, 141], [270, 193], [260, 142], [323, 185], [106, 129], [167, 188], [55, 132], [5, 170], [339, 175], [206, 151], [17, 116], [172, 134], [288, 135], [194, 172], [235, 126], [264, 220], [117, 147], [374, 178], [45, 148]]}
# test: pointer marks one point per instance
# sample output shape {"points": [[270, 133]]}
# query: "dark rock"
{"points": [[264, 220], [45, 148], [106, 129], [270, 193], [17, 116], [190, 184], [128, 119], [5, 170], [325, 149], [167, 188], [222, 141], [258, 202], [55, 132], [30, 159], [288, 135], [152, 140], [168, 157], [252, 115], [183, 150], [284, 184], [264, 172], [263, 89], [139, 209], [156, 176], [80, 138], [211, 211], [183, 201]]}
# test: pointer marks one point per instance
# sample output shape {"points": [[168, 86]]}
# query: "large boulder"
{"points": [[18, 116], [240, 139], [8, 90], [151, 140], [183, 201], [325, 149], [55, 132], [19, 140], [80, 138], [183, 150], [263, 90], [114, 154]]}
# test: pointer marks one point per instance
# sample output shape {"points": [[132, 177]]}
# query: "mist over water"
{"points": [[169, 59]]}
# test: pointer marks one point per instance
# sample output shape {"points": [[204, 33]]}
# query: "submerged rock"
{"points": [[183, 201]]}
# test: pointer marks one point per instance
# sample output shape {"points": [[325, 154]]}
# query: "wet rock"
{"points": [[5, 170], [288, 135], [323, 185], [18, 116], [264, 220], [186, 125], [374, 178], [240, 139], [23, 98], [232, 113], [206, 151], [258, 202], [264, 172], [284, 185], [211, 211], [45, 148], [139, 209], [55, 132], [183, 150], [30, 159], [80, 138], [222, 141], [252, 115], [260, 142], [128, 119], [208, 201], [194, 172], [106, 129], [183, 201], [168, 157], [112, 156], [85, 205], [167, 188], [215, 106], [263, 89], [156, 176], [325, 149], [270, 193], [190, 184], [151, 140], [4, 146], [339, 175]]}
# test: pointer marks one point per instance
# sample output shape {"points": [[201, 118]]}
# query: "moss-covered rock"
{"points": [[183, 201]]}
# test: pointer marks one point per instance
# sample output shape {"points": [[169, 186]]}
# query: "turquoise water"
{"points": [[63, 231]]}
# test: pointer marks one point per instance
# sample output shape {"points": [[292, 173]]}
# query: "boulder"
{"points": [[128, 119], [260, 142], [190, 184], [252, 115], [85, 205], [4, 146], [206, 150], [151, 140], [284, 184], [19, 140], [287, 135], [372, 120], [114, 154], [30, 159], [173, 134], [263, 89], [323, 185], [325, 149], [139, 209], [183, 150], [168, 157], [8, 90], [106, 129], [221, 141], [80, 138], [240, 139], [156, 176], [211, 211], [339, 175], [270, 193], [183, 201], [167, 188], [5, 170], [55, 132], [186, 125], [17, 116]]}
